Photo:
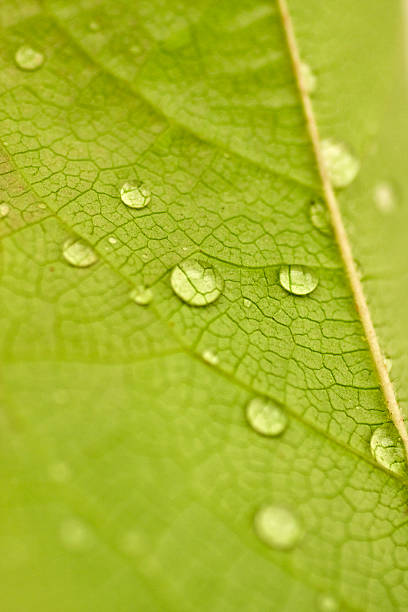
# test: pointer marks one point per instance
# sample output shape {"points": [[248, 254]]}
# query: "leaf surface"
{"points": [[130, 474]]}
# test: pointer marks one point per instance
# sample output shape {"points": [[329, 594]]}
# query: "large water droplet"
{"points": [[299, 280], [277, 527], [266, 417], [342, 167], [385, 197], [78, 253], [134, 195], [387, 449], [4, 210], [141, 295], [327, 603], [196, 282], [28, 58], [319, 216], [308, 77]]}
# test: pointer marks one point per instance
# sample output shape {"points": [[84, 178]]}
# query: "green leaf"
{"points": [[130, 474]]}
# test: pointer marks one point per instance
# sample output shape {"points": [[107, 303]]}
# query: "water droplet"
{"points": [[319, 216], [385, 197], [388, 364], [308, 78], [74, 534], [141, 295], [28, 58], [266, 416], [210, 357], [94, 26], [327, 603], [299, 280], [4, 210], [78, 253], [277, 527], [247, 303], [387, 449], [342, 167], [112, 240], [59, 472], [42, 206], [196, 282], [135, 196]]}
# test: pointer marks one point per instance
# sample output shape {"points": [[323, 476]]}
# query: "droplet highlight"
{"points": [[210, 357], [28, 58], [266, 417], [319, 216], [141, 295], [308, 78], [135, 196], [277, 527], [79, 253], [4, 210], [341, 165], [196, 282], [299, 280], [387, 449], [385, 197]]}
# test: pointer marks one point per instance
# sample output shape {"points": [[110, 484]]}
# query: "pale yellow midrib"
{"points": [[341, 234]]}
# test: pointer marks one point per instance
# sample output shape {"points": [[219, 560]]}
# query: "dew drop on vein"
{"points": [[210, 357], [79, 253], [385, 197], [141, 295], [319, 216], [341, 165], [28, 58], [387, 448], [4, 210], [135, 195], [196, 282], [266, 417], [308, 77], [299, 280], [277, 527]]}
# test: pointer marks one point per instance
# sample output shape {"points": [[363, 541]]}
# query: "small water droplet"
{"points": [[299, 280], [387, 449], [78, 253], [319, 216], [28, 58], [210, 357], [42, 206], [59, 472], [247, 303], [74, 534], [308, 77], [342, 167], [135, 196], [4, 210], [266, 416], [112, 240], [327, 603], [388, 364], [141, 295], [385, 197], [94, 26], [196, 282], [277, 527]]}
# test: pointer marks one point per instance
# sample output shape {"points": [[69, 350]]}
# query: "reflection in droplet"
{"points": [[385, 197], [28, 58], [4, 210], [112, 240], [266, 416], [387, 449], [277, 527], [210, 357], [196, 282], [308, 78], [134, 195], [341, 166], [319, 216], [299, 280], [79, 253], [141, 295]]}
